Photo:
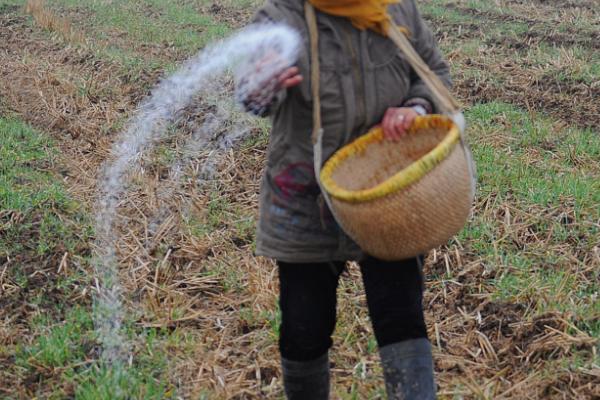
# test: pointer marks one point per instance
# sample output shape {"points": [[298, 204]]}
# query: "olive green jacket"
{"points": [[362, 75]]}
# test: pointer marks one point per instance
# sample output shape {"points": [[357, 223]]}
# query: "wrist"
{"points": [[419, 109], [419, 101]]}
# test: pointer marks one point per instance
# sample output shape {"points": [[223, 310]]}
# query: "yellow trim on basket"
{"points": [[401, 179]]}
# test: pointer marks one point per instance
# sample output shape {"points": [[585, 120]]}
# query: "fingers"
{"points": [[391, 124], [259, 94], [397, 121], [288, 73], [289, 78], [409, 118], [388, 125], [294, 81], [398, 127]]}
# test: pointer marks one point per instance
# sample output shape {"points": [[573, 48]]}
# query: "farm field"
{"points": [[512, 303]]}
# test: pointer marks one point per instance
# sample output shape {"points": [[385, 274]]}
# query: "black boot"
{"points": [[306, 380], [408, 370]]}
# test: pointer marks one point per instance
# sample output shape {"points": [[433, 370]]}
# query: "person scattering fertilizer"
{"points": [[364, 81]]}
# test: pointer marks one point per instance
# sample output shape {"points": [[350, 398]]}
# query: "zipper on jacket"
{"points": [[361, 111], [361, 107]]}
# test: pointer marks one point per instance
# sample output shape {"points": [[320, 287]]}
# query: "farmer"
{"points": [[364, 81]]}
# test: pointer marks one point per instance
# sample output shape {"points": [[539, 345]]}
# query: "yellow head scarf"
{"points": [[364, 14]]}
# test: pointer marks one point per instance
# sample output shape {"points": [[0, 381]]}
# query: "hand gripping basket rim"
{"points": [[402, 179]]}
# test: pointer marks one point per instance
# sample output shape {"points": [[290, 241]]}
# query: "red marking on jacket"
{"points": [[296, 178]]}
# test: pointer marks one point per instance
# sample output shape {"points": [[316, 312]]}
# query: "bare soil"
{"points": [[521, 83]]}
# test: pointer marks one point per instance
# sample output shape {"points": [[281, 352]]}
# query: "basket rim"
{"points": [[402, 178]]}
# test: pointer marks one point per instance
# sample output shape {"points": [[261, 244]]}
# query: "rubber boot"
{"points": [[306, 380], [408, 370]]}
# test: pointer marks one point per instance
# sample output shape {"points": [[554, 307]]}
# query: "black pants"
{"points": [[308, 304]]}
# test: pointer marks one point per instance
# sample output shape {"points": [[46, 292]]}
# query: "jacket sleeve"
{"points": [[425, 44]]}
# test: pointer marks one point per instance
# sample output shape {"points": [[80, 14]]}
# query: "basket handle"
{"points": [[444, 99]]}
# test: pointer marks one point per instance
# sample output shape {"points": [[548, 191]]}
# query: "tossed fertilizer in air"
{"points": [[238, 54]]}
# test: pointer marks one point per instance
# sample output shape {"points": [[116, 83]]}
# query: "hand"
{"points": [[396, 122], [257, 87], [289, 78]]}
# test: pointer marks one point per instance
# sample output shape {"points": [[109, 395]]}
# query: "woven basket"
{"points": [[401, 199]]}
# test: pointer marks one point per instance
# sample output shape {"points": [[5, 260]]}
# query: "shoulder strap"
{"points": [[440, 92], [315, 72], [315, 69]]}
